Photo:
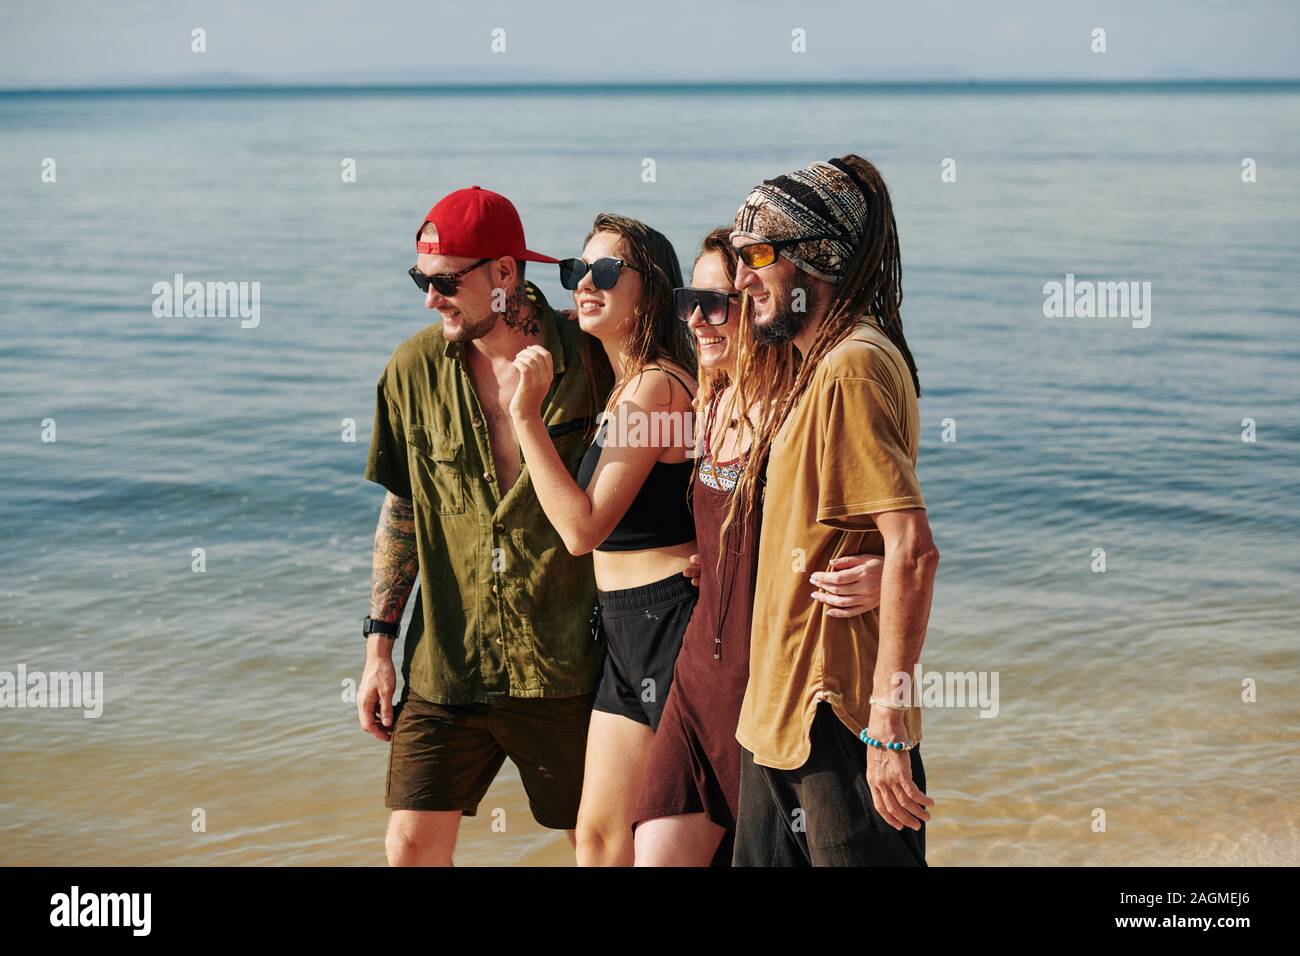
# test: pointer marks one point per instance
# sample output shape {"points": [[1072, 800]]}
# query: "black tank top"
{"points": [[660, 514]]}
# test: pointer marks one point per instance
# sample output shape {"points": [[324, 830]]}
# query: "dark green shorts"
{"points": [[445, 756]]}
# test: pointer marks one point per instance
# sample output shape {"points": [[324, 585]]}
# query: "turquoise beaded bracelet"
{"points": [[871, 741]]}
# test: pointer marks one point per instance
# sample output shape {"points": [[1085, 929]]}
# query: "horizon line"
{"points": [[523, 86]]}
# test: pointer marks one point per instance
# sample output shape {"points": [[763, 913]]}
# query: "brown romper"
{"points": [[694, 764]]}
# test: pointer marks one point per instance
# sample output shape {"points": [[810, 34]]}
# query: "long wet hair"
{"points": [[872, 285], [657, 333]]}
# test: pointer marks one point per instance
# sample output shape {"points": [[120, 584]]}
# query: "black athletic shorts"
{"points": [[642, 631]]}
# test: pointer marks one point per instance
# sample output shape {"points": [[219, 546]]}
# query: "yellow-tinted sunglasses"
{"points": [[758, 255]]}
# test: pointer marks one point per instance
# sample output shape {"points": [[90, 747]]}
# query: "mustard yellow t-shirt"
{"points": [[846, 451]]}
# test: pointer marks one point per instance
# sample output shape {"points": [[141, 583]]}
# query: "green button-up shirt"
{"points": [[503, 609]]}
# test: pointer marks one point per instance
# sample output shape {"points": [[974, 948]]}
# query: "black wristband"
{"points": [[374, 626]]}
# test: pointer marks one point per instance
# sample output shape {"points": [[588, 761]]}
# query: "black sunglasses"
{"points": [[445, 283], [758, 255], [604, 272], [712, 304]]}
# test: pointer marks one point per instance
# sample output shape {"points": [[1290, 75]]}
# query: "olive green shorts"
{"points": [[445, 756]]}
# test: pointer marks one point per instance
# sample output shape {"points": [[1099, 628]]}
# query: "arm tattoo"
{"points": [[396, 562]]}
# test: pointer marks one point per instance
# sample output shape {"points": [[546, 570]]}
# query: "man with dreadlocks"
{"points": [[831, 774]]}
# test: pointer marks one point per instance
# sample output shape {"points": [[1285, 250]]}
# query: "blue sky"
{"points": [[63, 43]]}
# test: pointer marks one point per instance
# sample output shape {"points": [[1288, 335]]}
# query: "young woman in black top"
{"points": [[629, 505]]}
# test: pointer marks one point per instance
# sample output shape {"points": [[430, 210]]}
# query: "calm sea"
{"points": [[1120, 693]]}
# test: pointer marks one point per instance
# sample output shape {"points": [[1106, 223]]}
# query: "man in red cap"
{"points": [[499, 659]]}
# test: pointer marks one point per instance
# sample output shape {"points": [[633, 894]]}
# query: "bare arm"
{"points": [[394, 567], [585, 518], [906, 587]]}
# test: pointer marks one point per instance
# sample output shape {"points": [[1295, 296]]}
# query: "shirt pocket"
{"points": [[437, 470]]}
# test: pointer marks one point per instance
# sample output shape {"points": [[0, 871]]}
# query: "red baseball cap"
{"points": [[477, 223]]}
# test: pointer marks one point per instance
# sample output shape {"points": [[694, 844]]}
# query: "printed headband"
{"points": [[824, 198]]}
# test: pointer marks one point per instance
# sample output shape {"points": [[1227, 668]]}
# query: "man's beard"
{"points": [[469, 331], [514, 315], [785, 323]]}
